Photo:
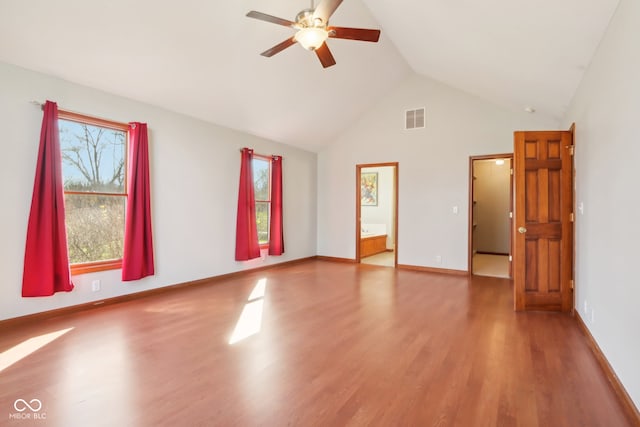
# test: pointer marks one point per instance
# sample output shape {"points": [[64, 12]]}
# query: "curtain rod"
{"points": [[272, 155], [115, 122]]}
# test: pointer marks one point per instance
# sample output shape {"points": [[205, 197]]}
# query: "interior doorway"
{"points": [[377, 214], [490, 215]]}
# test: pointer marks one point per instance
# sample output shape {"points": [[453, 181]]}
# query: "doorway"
{"points": [[490, 215], [377, 214]]}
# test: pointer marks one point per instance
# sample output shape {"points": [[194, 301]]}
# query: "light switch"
{"points": [[455, 210], [581, 208]]}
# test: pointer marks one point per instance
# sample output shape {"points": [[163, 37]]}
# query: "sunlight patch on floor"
{"points": [[27, 347], [250, 321], [258, 291]]}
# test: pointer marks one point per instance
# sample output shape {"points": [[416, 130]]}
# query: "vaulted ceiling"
{"points": [[201, 58]]}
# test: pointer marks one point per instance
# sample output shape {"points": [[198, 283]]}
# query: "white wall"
{"points": [[433, 169], [491, 191], [194, 177], [383, 213], [606, 110]]}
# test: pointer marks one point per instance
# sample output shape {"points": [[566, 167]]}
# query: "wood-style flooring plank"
{"points": [[339, 345]]}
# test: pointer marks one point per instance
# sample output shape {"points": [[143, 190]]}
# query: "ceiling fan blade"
{"points": [[279, 47], [325, 9], [325, 56], [354, 34], [273, 19]]}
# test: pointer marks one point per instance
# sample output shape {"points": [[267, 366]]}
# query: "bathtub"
{"points": [[373, 239]]}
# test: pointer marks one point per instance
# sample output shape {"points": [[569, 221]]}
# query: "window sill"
{"points": [[93, 267]]}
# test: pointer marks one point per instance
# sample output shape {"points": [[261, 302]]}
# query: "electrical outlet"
{"points": [[95, 285], [438, 259]]}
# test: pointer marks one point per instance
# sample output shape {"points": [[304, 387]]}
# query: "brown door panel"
{"points": [[544, 198]]}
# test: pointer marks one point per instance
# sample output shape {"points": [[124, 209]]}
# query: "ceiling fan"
{"points": [[312, 30]]}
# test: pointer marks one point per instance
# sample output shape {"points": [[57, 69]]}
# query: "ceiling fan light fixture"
{"points": [[311, 38]]}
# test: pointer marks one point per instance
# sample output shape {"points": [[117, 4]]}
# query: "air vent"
{"points": [[414, 119]]}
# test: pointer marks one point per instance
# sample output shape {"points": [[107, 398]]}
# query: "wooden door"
{"points": [[543, 254]]}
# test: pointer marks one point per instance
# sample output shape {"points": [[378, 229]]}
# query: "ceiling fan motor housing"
{"points": [[305, 19]]}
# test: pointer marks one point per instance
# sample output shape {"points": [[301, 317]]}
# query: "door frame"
{"points": [[471, 192], [396, 173], [574, 209]]}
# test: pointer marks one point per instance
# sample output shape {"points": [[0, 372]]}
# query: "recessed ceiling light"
{"points": [[529, 109]]}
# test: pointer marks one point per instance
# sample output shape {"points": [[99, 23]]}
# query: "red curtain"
{"points": [[276, 235], [46, 260], [137, 259], [247, 246]]}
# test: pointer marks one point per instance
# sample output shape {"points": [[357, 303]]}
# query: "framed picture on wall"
{"points": [[369, 188]]}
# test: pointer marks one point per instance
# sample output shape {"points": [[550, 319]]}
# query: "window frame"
{"points": [[111, 264], [268, 201]]}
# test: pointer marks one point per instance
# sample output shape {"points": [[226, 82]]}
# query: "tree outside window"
{"points": [[262, 192], [94, 174]]}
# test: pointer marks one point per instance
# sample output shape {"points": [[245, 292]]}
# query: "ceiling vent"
{"points": [[414, 119]]}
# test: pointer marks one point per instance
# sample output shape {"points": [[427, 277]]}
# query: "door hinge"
{"points": [[570, 147], [510, 258], [511, 171], [571, 283], [510, 214], [571, 217]]}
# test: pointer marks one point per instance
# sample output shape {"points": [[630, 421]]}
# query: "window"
{"points": [[261, 166], [94, 175]]}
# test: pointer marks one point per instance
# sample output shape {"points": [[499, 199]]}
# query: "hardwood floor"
{"points": [[339, 344]]}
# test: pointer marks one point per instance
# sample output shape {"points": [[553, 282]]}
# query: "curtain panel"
{"points": [[247, 246], [276, 234], [46, 260], [137, 258]]}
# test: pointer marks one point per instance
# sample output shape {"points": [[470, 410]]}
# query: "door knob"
{"points": [[522, 230]]}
